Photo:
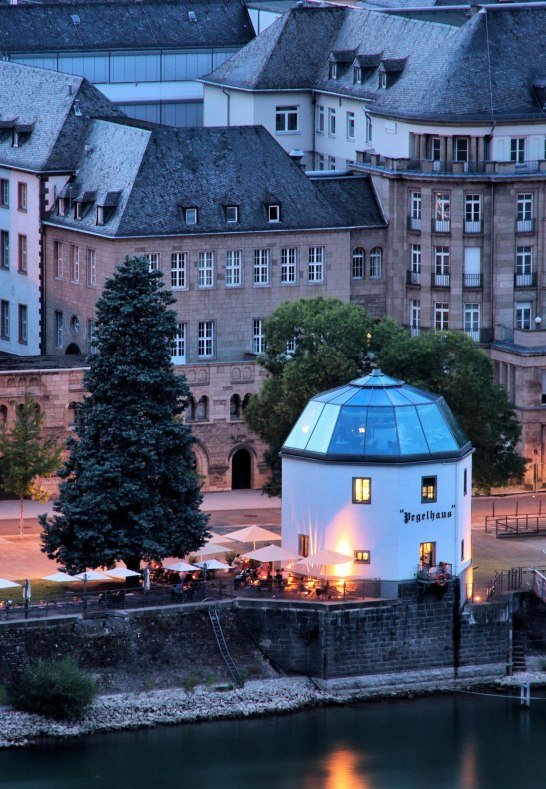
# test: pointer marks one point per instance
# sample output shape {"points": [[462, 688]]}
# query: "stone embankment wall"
{"points": [[158, 648], [143, 650], [410, 633]]}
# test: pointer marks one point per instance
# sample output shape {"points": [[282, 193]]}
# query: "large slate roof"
{"points": [[481, 70], [160, 171], [155, 24], [56, 106]]}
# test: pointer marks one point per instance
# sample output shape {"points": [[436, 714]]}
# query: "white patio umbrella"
{"points": [[209, 549], [254, 534], [213, 564], [121, 572], [90, 575], [146, 583], [179, 566], [215, 537], [326, 557], [272, 553], [59, 578], [5, 584]]}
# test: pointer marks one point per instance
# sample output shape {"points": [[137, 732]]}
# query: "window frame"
{"points": [[22, 253], [376, 263], [205, 270], [358, 263], [191, 215], [233, 212], [359, 493], [331, 122], [4, 192], [284, 119], [59, 329], [179, 270], [75, 263], [91, 266], [350, 125], [261, 268], [22, 316], [441, 316], [233, 269], [274, 213], [433, 485], [178, 341], [258, 339], [316, 265], [361, 556], [205, 339], [320, 119], [22, 196], [5, 310], [289, 266]]}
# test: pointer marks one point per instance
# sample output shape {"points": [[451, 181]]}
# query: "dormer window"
{"points": [[61, 206], [190, 216], [357, 72], [333, 71], [100, 215], [232, 214], [77, 210], [15, 138], [382, 80], [274, 213]]}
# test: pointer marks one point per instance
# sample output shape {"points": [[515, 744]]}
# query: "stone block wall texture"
{"points": [[160, 648], [410, 633], [138, 652]]}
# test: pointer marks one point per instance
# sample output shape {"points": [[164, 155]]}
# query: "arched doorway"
{"points": [[241, 463]]}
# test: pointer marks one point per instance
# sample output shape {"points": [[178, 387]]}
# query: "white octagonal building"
{"points": [[379, 471]]}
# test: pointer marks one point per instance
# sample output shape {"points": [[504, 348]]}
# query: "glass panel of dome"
{"points": [[456, 429], [381, 435], [397, 397], [437, 433], [301, 432], [410, 433], [379, 397], [320, 438], [350, 432], [361, 397], [343, 396], [326, 397], [415, 396]]}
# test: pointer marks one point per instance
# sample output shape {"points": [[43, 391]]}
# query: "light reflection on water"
{"points": [[460, 742]]}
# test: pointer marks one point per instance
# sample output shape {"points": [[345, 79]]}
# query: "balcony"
{"points": [[441, 226], [472, 281], [524, 338], [440, 280], [473, 227], [414, 224], [525, 280], [525, 226], [454, 169], [413, 278]]}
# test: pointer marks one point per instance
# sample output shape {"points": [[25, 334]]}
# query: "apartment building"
{"points": [[44, 118], [448, 118], [145, 56]]}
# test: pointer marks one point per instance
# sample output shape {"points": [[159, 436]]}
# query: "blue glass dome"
{"points": [[377, 418]]}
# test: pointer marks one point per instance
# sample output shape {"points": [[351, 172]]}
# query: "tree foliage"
{"points": [[130, 490], [330, 348], [25, 453], [450, 364], [337, 342], [55, 688]]}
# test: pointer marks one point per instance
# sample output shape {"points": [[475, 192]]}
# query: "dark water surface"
{"points": [[466, 741]]}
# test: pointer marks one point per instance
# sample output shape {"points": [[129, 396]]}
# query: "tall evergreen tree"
{"points": [[25, 453], [130, 489]]}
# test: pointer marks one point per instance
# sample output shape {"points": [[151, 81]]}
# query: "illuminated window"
{"points": [[362, 557], [362, 490], [303, 545], [428, 489]]}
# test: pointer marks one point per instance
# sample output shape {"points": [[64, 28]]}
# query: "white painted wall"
{"points": [[317, 500], [16, 287]]}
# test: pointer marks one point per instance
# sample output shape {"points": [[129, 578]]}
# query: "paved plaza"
{"points": [[23, 558]]}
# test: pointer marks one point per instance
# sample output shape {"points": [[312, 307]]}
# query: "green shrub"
{"points": [[190, 682], [57, 689]]}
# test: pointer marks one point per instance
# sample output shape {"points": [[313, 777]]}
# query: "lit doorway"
{"points": [[241, 465], [427, 554]]}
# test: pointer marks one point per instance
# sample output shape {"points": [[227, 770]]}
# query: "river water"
{"points": [[459, 742]]}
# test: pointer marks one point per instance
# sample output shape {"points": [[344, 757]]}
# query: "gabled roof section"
{"points": [[161, 170], [285, 55], [81, 26], [41, 104], [354, 198]]}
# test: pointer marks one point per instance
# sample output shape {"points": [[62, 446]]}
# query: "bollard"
{"points": [[525, 695]]}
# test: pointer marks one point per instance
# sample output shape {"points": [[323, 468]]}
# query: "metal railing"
{"points": [[472, 281], [473, 227], [413, 278], [519, 525], [528, 280], [440, 280], [525, 225]]}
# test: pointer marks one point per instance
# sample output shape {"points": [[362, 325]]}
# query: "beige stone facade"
{"points": [[227, 453]]}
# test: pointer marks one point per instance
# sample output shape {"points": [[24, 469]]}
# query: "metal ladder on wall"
{"points": [[222, 646]]}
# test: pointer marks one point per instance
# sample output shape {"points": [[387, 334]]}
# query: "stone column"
{"points": [[473, 149]]}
